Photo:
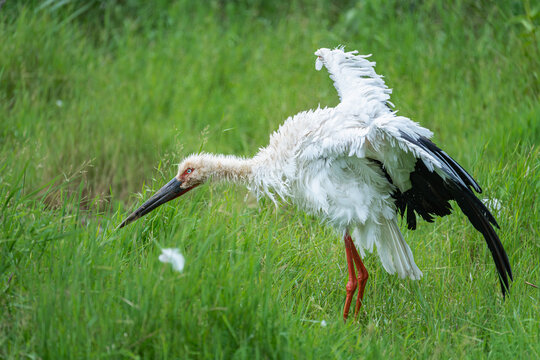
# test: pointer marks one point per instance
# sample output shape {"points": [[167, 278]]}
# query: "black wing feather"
{"points": [[430, 196], [448, 161], [475, 210]]}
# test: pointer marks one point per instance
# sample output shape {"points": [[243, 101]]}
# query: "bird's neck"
{"points": [[231, 168]]}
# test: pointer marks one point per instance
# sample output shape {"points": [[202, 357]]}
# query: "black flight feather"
{"points": [[430, 196]]}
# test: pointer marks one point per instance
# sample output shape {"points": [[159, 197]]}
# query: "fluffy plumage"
{"points": [[356, 166]]}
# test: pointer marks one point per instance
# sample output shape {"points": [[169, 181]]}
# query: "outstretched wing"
{"points": [[431, 191], [354, 77]]}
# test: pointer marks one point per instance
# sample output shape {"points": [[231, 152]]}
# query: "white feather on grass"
{"points": [[322, 322], [173, 257], [494, 204]]}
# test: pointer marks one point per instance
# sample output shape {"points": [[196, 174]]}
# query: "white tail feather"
{"points": [[396, 256], [395, 253]]}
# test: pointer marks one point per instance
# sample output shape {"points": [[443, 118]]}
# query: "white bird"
{"points": [[356, 166]]}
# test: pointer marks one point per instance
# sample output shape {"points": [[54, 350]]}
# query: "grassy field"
{"points": [[98, 102]]}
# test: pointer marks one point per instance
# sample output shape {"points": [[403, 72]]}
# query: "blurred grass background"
{"points": [[100, 99]]}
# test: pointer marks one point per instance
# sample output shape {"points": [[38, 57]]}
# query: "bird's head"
{"points": [[193, 171]]}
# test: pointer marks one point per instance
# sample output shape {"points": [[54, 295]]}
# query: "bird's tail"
{"points": [[394, 252]]}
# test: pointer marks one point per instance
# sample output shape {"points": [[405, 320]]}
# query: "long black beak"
{"points": [[170, 191]]}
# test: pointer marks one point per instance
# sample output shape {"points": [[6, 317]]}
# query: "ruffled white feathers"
{"points": [[334, 162], [354, 77]]}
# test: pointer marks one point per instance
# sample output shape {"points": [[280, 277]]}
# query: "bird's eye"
{"points": [[189, 171]]}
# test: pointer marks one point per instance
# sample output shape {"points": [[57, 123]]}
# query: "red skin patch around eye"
{"points": [[186, 173]]}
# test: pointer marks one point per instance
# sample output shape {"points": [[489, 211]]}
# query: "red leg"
{"points": [[352, 283], [362, 277]]}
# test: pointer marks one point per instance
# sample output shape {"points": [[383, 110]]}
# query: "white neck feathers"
{"points": [[226, 168]]}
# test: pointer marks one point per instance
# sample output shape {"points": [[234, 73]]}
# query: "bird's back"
{"points": [[304, 164]]}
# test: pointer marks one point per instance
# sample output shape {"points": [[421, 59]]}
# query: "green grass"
{"points": [[98, 107]]}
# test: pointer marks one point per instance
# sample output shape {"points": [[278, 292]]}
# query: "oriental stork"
{"points": [[356, 166]]}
